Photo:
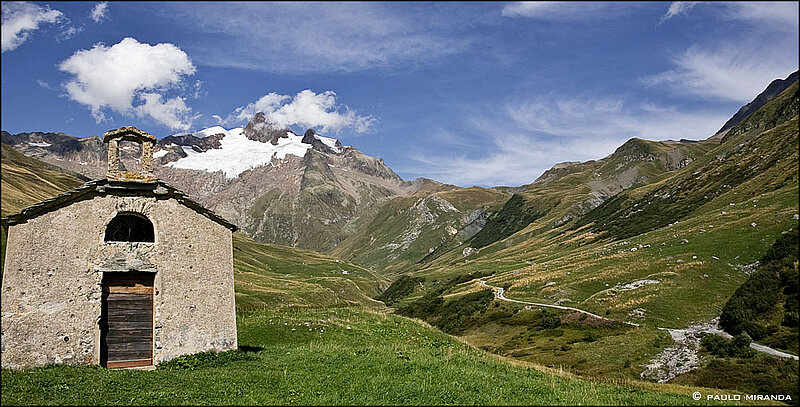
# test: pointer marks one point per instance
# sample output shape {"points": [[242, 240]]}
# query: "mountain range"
{"points": [[658, 234]]}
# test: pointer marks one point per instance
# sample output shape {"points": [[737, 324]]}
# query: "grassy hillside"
{"points": [[355, 355], [415, 230], [26, 181], [347, 356], [271, 276], [766, 305], [667, 250]]}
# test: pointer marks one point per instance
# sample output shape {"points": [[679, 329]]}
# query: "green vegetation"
{"points": [[752, 374], [272, 276], [718, 346], [512, 218], [766, 305], [334, 356], [407, 233], [26, 181], [400, 288], [624, 216], [452, 316]]}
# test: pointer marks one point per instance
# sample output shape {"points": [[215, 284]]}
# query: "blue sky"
{"points": [[465, 93]]}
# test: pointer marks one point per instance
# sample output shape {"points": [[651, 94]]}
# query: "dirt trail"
{"points": [[686, 336]]}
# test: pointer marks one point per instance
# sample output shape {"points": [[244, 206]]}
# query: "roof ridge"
{"points": [[105, 186]]}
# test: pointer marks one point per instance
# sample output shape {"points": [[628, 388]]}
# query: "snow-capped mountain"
{"points": [[279, 187]]}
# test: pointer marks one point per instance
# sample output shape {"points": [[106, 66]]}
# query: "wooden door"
{"points": [[126, 323]]}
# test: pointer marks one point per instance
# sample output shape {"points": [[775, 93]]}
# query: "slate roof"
{"points": [[105, 187]]}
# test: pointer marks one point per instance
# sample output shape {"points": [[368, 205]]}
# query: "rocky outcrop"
{"points": [[774, 89], [261, 129], [310, 138], [199, 144]]}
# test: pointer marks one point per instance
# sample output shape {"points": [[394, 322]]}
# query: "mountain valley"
{"points": [[659, 234]]}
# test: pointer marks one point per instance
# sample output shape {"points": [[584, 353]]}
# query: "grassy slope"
{"points": [[416, 229], [26, 181], [272, 276], [326, 357], [404, 361], [698, 258]]}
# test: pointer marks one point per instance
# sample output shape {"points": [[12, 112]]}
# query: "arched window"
{"points": [[130, 227]]}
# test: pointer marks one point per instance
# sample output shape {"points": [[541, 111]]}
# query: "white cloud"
{"points": [[677, 8], [523, 139], [725, 73], [20, 18], [772, 15], [44, 84], [763, 48], [99, 12], [295, 38], [780, 16], [306, 109], [173, 112], [116, 77], [564, 11]]}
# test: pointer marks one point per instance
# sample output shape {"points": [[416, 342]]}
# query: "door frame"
{"points": [[107, 278]]}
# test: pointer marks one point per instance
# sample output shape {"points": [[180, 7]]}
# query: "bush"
{"points": [[715, 345], [754, 330], [399, 289], [550, 320], [773, 288], [790, 319], [718, 346]]}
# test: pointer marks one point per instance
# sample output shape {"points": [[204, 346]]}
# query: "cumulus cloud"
{"points": [[522, 139], [99, 12], [563, 11], [20, 19], [307, 109], [132, 79]]}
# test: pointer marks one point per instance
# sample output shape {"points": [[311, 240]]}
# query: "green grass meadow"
{"points": [[342, 356]]}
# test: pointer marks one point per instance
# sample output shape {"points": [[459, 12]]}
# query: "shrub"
{"points": [[399, 289], [790, 319], [773, 288], [550, 320], [716, 345]]}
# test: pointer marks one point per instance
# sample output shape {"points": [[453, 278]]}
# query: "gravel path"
{"points": [[679, 335]]}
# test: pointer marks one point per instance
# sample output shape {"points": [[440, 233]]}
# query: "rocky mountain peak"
{"points": [[774, 89], [308, 137], [261, 129]]}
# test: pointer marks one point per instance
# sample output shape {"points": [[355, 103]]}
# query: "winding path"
{"points": [[675, 333]]}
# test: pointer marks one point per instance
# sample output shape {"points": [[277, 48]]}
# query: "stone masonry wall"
{"points": [[52, 282]]}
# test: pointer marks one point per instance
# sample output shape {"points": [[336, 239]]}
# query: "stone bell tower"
{"points": [[130, 133]]}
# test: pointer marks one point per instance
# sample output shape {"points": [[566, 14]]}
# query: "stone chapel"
{"points": [[122, 272]]}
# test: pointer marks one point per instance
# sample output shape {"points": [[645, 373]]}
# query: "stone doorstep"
{"points": [[150, 367]]}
